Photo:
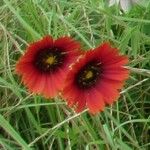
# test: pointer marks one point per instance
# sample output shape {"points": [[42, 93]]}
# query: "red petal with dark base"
{"points": [[95, 79], [45, 64]]}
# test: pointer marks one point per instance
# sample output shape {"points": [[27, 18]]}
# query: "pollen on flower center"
{"points": [[88, 75], [48, 60]]}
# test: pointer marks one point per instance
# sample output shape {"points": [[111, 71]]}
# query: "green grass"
{"points": [[32, 122]]}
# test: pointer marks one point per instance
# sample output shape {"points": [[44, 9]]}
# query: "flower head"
{"points": [[95, 79], [45, 64]]}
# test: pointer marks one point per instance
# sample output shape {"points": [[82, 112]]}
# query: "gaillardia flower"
{"points": [[95, 79], [45, 64]]}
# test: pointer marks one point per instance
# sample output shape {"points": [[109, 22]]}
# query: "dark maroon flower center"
{"points": [[88, 75], [50, 59]]}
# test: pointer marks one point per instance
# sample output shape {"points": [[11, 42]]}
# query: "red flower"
{"points": [[45, 64], [95, 79]]}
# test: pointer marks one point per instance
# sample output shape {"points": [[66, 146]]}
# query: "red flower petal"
{"points": [[67, 43], [39, 86], [113, 83], [116, 76], [109, 93], [118, 61], [50, 87], [95, 102], [81, 103]]}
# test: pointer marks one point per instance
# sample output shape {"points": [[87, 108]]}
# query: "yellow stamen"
{"points": [[89, 75], [50, 60]]}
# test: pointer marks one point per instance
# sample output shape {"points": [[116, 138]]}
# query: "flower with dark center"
{"points": [[45, 64], [49, 60], [88, 75], [95, 79]]}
